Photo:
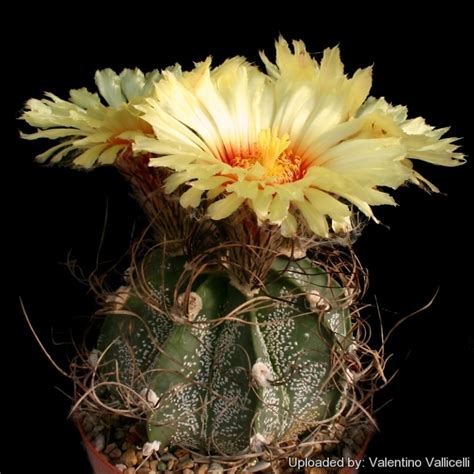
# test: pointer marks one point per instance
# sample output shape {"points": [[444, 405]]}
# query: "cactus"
{"points": [[218, 341], [224, 371]]}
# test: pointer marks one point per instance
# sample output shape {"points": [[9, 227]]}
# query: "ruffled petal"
{"points": [[92, 124], [225, 207]]}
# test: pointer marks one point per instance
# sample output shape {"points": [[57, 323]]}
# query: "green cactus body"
{"points": [[242, 371]]}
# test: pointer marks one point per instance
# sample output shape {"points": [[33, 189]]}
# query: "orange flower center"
{"points": [[280, 165]]}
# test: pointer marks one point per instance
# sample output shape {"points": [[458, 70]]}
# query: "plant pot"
{"points": [[101, 465], [99, 462]]}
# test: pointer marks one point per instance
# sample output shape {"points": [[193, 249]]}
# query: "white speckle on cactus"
{"points": [[94, 356], [303, 398], [232, 408], [257, 442], [150, 396], [317, 302], [211, 400], [182, 406], [261, 374], [151, 448], [334, 321], [194, 303], [140, 354], [162, 293]]}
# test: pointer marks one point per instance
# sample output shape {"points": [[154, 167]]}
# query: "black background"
{"points": [[420, 61]]}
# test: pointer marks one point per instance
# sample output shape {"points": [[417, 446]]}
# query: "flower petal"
{"points": [[90, 156], [325, 204], [108, 83], [92, 123], [191, 197], [315, 220], [225, 207]]}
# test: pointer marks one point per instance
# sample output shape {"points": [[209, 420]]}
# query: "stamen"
{"points": [[281, 164], [271, 147]]}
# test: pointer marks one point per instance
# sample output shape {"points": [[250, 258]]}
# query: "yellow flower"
{"points": [[90, 131], [297, 144], [421, 141]]}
